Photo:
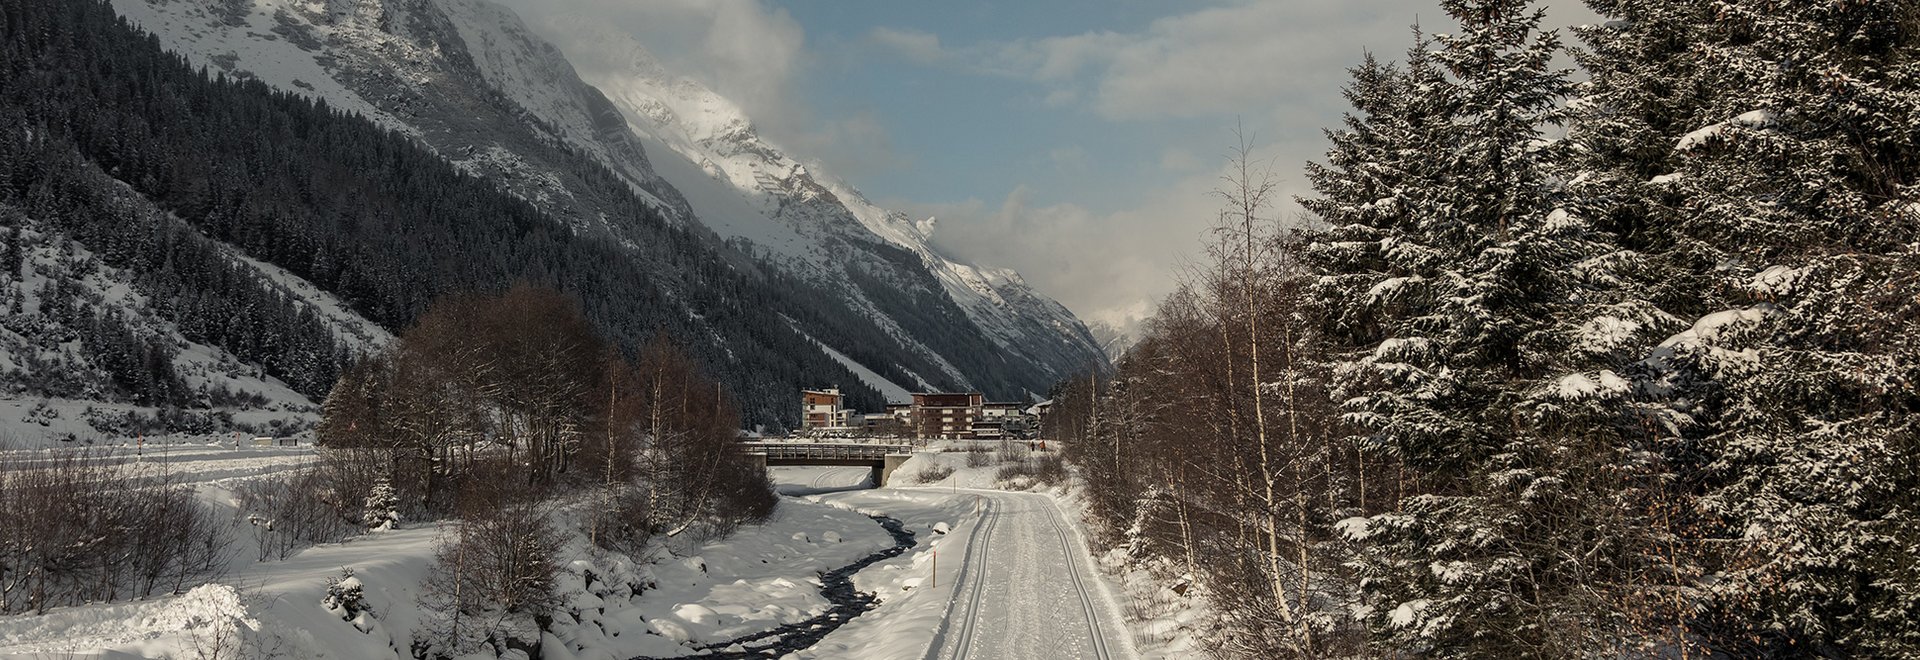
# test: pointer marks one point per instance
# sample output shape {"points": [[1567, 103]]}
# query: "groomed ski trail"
{"points": [[1027, 590]]}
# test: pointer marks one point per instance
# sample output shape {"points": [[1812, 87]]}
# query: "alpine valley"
{"points": [[459, 151]]}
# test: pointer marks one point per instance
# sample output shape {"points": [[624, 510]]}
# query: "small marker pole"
{"points": [[936, 569]]}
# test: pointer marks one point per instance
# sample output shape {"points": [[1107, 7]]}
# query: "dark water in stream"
{"points": [[836, 586]]}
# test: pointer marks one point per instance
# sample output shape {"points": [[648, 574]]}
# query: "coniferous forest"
{"points": [[163, 171], [1615, 362]]}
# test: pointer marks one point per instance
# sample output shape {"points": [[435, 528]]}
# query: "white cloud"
{"points": [[749, 51], [852, 146], [746, 50], [1280, 64], [1179, 159], [1217, 60], [1105, 266]]}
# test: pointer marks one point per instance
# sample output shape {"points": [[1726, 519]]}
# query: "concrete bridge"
{"points": [[883, 458]]}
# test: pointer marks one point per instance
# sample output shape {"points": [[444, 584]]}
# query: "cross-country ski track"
{"points": [[1027, 589]]}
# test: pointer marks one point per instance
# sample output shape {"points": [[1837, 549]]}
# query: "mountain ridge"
{"points": [[706, 128], [406, 64]]}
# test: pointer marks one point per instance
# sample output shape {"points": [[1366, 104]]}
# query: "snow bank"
{"points": [[915, 590]]}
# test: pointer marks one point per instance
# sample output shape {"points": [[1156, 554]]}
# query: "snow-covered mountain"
{"points": [[713, 133], [470, 80]]}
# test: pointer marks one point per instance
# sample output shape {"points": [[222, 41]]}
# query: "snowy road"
{"points": [[1028, 589]]}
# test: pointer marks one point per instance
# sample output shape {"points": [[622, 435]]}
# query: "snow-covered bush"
{"points": [[345, 597], [623, 525], [382, 510], [41, 414], [215, 622], [1038, 470], [978, 456]]}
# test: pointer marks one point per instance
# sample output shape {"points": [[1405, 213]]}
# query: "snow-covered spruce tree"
{"points": [[1646, 86], [382, 510], [346, 597], [352, 414], [1779, 198], [1469, 313]]}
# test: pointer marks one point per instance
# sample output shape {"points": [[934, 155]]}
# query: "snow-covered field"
{"points": [[207, 464], [992, 575]]}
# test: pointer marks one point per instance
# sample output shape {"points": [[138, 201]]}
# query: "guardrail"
{"points": [[826, 450]]}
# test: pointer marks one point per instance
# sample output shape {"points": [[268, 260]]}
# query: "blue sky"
{"points": [[960, 133], [1075, 141]]}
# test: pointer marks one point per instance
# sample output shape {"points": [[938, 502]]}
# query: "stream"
{"points": [[836, 586]]}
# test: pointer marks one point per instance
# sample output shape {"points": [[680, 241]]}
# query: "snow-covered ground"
{"points": [[996, 574], [1028, 588], [206, 464], [1159, 613], [992, 574]]}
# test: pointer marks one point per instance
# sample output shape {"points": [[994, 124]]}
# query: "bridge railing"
{"points": [[826, 450]]}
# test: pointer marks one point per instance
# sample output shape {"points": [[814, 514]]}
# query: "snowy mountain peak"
{"points": [[715, 134]]}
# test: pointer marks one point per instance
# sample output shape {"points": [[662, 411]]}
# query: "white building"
{"points": [[820, 409]]}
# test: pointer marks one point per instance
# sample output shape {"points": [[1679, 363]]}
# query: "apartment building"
{"points": [[946, 415], [822, 409]]}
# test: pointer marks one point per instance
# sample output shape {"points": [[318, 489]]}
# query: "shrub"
{"points": [[932, 472], [978, 457], [494, 577], [1037, 470], [622, 525], [345, 597], [76, 527], [382, 509], [290, 512]]}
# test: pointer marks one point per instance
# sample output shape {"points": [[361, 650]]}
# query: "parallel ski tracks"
{"points": [[966, 618], [1074, 560], [976, 578]]}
